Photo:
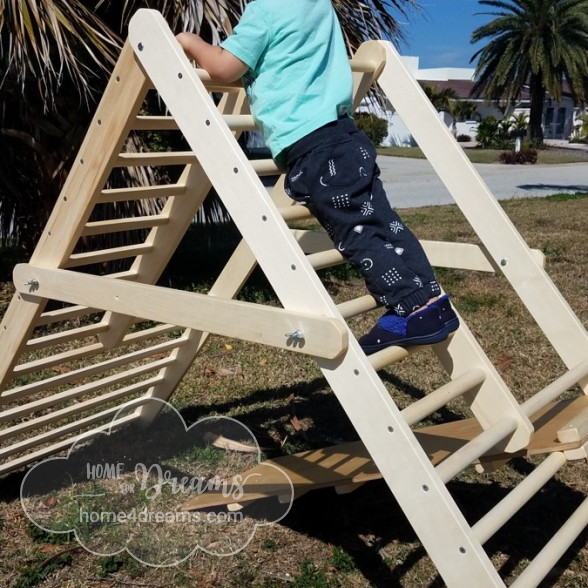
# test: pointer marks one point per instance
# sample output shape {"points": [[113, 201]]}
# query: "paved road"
{"points": [[413, 182]]}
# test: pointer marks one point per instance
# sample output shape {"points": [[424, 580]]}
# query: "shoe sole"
{"points": [[452, 324], [429, 339]]}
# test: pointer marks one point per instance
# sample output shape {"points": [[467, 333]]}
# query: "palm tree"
{"points": [[536, 44], [55, 59], [441, 98], [464, 110]]}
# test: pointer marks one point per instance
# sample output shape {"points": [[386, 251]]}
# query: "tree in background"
{"points": [[537, 44], [441, 98], [55, 59]]}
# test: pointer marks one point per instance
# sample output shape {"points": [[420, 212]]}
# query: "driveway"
{"points": [[413, 182]]}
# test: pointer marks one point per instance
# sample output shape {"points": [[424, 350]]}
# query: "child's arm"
{"points": [[222, 65]]}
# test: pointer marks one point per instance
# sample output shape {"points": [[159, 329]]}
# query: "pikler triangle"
{"points": [[112, 330]]}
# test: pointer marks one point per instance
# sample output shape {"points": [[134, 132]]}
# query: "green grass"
{"points": [[545, 156], [361, 539]]}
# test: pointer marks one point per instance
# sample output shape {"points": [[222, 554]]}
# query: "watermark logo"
{"points": [[157, 488]]}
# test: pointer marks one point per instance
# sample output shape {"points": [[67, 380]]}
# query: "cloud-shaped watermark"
{"points": [[161, 490]]}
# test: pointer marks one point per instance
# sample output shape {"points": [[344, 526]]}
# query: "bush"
{"points": [[525, 155], [374, 127]]}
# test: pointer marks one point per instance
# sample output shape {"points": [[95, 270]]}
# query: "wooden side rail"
{"points": [[314, 335]]}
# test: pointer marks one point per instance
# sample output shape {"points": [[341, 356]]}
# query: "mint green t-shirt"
{"points": [[299, 77]]}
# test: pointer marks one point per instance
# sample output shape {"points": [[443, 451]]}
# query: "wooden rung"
{"points": [[265, 167], [87, 351], [124, 224], [556, 388], [324, 259], [65, 336], [154, 158], [80, 259], [68, 412], [432, 402], [357, 306], [295, 212], [548, 557], [451, 436], [126, 275], [141, 192], [500, 514], [64, 314], [64, 444], [91, 370], [240, 122], [155, 123], [390, 355], [471, 451], [40, 404]]}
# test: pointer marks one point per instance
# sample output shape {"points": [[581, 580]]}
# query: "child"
{"points": [[296, 73]]}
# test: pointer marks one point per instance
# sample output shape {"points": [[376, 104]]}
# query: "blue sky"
{"points": [[440, 33]]}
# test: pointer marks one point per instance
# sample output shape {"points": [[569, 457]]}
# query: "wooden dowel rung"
{"points": [[555, 389], [48, 362], [14, 464], [390, 355], [471, 451], [126, 275], [500, 514], [79, 259], [351, 308], [91, 370], [548, 557], [87, 351], [240, 122], [70, 411], [155, 123], [64, 314], [124, 224], [141, 192], [154, 158], [324, 259], [265, 167], [88, 388], [294, 213], [432, 402], [65, 336]]}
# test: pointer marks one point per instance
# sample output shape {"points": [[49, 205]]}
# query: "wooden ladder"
{"points": [[113, 331]]}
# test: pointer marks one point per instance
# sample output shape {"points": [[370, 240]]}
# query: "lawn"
{"points": [[361, 539], [546, 156]]}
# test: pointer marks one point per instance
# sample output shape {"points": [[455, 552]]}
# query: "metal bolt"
{"points": [[140, 46], [297, 334], [503, 261], [34, 282]]}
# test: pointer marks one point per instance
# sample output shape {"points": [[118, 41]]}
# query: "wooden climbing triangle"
{"points": [[111, 329]]}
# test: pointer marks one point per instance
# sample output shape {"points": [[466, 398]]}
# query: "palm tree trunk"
{"points": [[536, 115]]}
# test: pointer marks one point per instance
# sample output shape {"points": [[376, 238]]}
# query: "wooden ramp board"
{"points": [[348, 465]]}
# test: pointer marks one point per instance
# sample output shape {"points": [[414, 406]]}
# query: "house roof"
{"points": [[463, 89]]}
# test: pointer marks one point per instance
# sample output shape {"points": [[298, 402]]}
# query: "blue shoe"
{"points": [[422, 328], [446, 312]]}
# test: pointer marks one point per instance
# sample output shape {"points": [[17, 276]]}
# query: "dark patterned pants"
{"points": [[333, 171]]}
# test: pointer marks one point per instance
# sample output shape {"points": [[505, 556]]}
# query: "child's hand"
{"points": [[220, 64]]}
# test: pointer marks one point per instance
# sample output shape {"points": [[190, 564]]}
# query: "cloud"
{"points": [[130, 488]]}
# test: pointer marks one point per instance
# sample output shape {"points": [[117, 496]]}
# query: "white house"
{"points": [[558, 118]]}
